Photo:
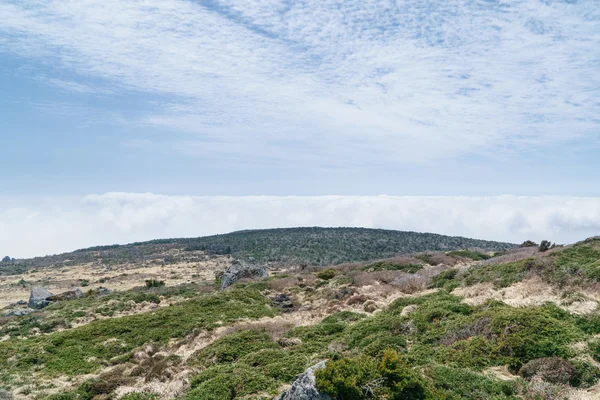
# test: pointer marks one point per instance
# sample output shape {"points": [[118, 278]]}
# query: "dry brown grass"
{"points": [[357, 299], [360, 278], [282, 284], [518, 254], [410, 283]]}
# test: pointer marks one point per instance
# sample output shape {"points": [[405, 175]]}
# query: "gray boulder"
{"points": [[4, 395], [102, 291], [304, 387], [73, 293], [243, 269], [19, 312], [39, 297]]}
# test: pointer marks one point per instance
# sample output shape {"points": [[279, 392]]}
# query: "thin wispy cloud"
{"points": [[54, 225], [308, 81]]}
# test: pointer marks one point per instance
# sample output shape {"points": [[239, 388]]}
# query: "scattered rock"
{"points": [[101, 291], [283, 301], [408, 310], [19, 312], [39, 297], [73, 293], [243, 269], [304, 387]]}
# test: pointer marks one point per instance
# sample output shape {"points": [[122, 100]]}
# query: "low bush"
{"points": [[550, 369], [473, 255], [153, 283], [326, 274], [459, 383], [364, 377]]}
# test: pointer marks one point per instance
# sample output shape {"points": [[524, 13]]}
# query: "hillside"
{"points": [[462, 324], [313, 246]]}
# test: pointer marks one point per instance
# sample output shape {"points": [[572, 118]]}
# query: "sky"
{"points": [[133, 120]]}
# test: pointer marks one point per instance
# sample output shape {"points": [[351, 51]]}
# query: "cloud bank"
{"points": [[58, 225]]}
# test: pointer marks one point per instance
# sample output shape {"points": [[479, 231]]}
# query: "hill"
{"points": [[290, 246]]}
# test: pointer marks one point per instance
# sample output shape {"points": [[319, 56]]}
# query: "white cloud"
{"points": [[388, 81], [59, 225]]}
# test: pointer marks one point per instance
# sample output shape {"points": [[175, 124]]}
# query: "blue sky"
{"points": [[305, 98]]}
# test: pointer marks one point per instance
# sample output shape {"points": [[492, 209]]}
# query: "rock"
{"points": [[243, 269], [73, 293], [408, 310], [21, 303], [19, 312], [100, 291], [6, 259], [304, 387], [38, 297], [283, 301]]}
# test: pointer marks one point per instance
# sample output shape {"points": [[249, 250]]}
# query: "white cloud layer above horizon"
{"points": [[57, 225], [323, 81]]}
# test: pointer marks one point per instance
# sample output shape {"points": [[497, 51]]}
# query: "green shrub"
{"points": [[363, 377], [544, 245], [473, 255], [153, 283], [326, 274], [442, 279], [458, 383], [230, 382], [231, 347], [587, 374]]}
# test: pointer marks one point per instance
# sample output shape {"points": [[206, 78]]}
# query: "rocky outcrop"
{"points": [[73, 293], [243, 270], [283, 302], [39, 297], [304, 387], [19, 312]]}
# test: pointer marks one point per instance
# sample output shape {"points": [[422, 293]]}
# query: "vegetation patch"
{"points": [[82, 350], [473, 255]]}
